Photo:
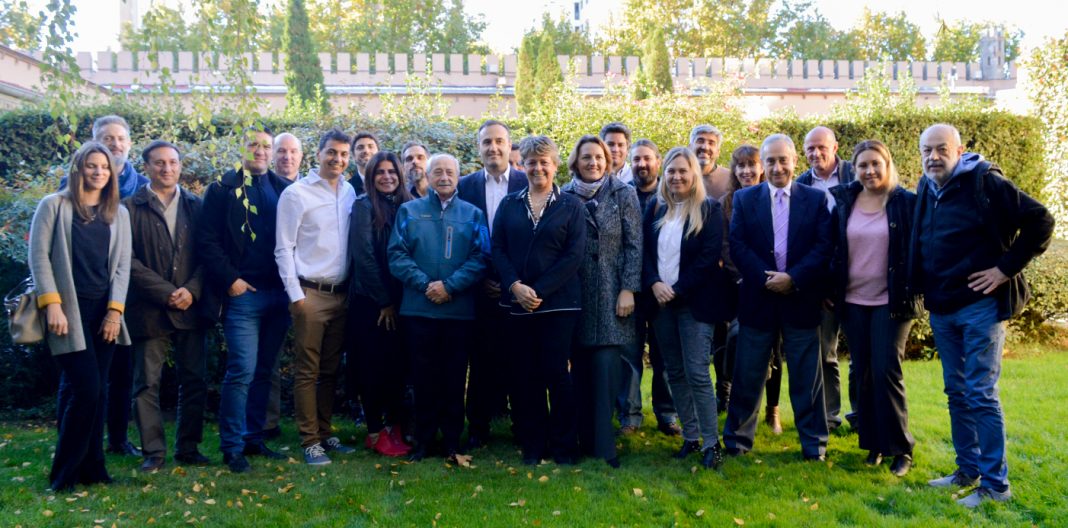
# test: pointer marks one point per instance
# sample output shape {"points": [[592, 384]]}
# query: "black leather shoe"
{"points": [[874, 459], [612, 462], [125, 448], [670, 428], [688, 447], [417, 454], [733, 452], [152, 464], [237, 462], [272, 433], [901, 466], [192, 458], [261, 449], [712, 456], [563, 460], [815, 458]]}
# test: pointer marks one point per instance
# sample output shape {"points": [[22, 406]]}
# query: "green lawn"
{"points": [[771, 486]]}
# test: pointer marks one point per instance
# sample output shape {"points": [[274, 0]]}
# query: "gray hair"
{"points": [[104, 121], [286, 135], [438, 158], [775, 138], [539, 146], [704, 129]]}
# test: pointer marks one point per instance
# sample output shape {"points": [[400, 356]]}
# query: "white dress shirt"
{"points": [[669, 248], [826, 185], [312, 233], [626, 174], [495, 192]]}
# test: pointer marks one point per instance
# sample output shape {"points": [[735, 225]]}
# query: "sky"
{"points": [[97, 21]]}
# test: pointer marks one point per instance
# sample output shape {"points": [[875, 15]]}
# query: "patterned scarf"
{"points": [[584, 189]]}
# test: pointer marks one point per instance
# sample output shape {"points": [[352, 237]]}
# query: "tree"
{"points": [[162, 29], [19, 28], [566, 38], [882, 36], [304, 73], [804, 33], [548, 76], [525, 78], [959, 42], [655, 75]]}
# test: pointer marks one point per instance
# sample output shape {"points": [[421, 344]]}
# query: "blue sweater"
{"points": [[430, 244]]}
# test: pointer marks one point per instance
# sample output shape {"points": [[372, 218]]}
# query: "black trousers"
{"points": [[542, 348], [597, 371], [438, 350], [724, 347], [877, 347], [120, 395], [487, 386], [79, 457], [379, 361]]}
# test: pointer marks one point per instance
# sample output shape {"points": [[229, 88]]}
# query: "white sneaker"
{"points": [[956, 478], [315, 455], [982, 495]]}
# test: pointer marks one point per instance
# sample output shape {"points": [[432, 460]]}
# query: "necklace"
{"points": [[536, 208]]}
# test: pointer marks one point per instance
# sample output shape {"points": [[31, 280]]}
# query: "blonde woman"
{"points": [[683, 240], [872, 223], [80, 260]]}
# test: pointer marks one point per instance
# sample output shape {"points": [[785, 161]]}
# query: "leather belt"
{"points": [[324, 288]]}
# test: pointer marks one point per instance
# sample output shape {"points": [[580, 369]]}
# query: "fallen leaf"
{"points": [[638, 492], [739, 522], [815, 506], [209, 501], [699, 513], [409, 501], [463, 460], [197, 487], [286, 488], [543, 478], [478, 488], [179, 470], [190, 500], [48, 513], [522, 502], [556, 512], [771, 516]]}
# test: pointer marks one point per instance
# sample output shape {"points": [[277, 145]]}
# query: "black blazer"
{"points": [[472, 187], [699, 269], [901, 203], [808, 254], [220, 242], [546, 258], [356, 181]]}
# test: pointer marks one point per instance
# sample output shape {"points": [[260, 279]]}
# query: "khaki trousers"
{"points": [[319, 332]]}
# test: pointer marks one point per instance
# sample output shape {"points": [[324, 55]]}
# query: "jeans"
{"points": [[801, 348], [970, 342], [629, 402], [832, 384], [685, 343], [255, 325]]}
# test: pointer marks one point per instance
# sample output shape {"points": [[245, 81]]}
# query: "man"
{"points": [[780, 241], [437, 251], [617, 136], [826, 171], [311, 250], [364, 146], [414, 156], [974, 232], [515, 159], [166, 292], [487, 388], [288, 153], [114, 132], [705, 142], [645, 166], [236, 247]]}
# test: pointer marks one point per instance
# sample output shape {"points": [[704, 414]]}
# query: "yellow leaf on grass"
{"points": [[543, 478], [739, 522], [286, 488], [48, 513], [699, 513], [815, 506], [197, 487], [638, 492], [209, 501]]}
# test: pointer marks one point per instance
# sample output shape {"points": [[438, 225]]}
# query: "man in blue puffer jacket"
{"points": [[438, 251]]}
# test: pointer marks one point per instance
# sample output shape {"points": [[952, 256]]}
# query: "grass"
{"points": [[769, 487]]}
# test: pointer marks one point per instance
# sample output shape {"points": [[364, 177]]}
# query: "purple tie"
{"points": [[782, 222]]}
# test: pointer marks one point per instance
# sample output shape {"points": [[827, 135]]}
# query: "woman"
{"points": [[80, 261], [539, 241], [746, 170], [374, 294], [611, 274], [683, 245], [873, 219]]}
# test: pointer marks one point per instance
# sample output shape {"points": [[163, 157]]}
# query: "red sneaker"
{"points": [[386, 446]]}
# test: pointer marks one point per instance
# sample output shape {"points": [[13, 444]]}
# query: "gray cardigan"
{"points": [[613, 263], [50, 264]]}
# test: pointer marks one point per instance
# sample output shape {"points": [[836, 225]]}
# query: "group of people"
{"points": [[502, 292]]}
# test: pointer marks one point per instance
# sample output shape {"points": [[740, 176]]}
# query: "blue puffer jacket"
{"points": [[429, 244]]}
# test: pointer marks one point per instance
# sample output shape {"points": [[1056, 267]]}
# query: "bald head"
{"points": [[821, 151], [940, 150]]}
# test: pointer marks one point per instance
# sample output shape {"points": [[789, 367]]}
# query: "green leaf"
{"points": [[252, 209]]}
